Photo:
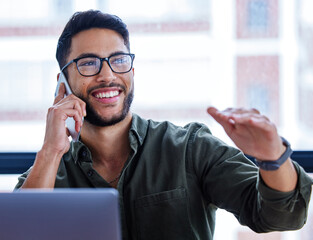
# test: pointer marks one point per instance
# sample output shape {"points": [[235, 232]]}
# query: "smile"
{"points": [[109, 94]]}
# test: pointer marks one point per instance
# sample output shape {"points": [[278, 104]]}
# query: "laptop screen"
{"points": [[60, 214]]}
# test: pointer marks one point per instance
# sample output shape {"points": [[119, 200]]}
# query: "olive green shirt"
{"points": [[175, 179]]}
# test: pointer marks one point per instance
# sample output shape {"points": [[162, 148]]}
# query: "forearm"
{"points": [[44, 170], [283, 179]]}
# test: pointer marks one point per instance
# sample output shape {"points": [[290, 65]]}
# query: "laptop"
{"points": [[60, 214]]}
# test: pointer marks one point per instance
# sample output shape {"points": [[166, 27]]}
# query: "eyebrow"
{"points": [[96, 55]]}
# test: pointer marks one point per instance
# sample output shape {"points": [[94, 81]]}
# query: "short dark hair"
{"points": [[81, 21]]}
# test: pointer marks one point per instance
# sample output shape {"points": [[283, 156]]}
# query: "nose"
{"points": [[105, 74]]}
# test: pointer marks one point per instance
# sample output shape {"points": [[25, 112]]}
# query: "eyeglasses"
{"points": [[91, 66]]}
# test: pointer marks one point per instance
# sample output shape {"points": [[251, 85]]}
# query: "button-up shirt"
{"points": [[175, 179]]}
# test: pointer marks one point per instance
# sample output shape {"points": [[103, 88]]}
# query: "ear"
{"points": [[58, 75]]}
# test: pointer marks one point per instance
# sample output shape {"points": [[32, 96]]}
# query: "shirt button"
{"points": [[90, 173], [84, 154]]}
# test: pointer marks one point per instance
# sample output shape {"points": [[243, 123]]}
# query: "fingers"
{"points": [[70, 106], [61, 93], [223, 119], [73, 107], [70, 101], [253, 120], [236, 115], [219, 116], [76, 116], [235, 118], [251, 131]]}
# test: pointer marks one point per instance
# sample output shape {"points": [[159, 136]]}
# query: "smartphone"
{"points": [[70, 122]]}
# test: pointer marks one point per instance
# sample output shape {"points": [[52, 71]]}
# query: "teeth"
{"points": [[107, 94]]}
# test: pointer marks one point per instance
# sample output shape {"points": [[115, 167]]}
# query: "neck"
{"points": [[109, 146]]}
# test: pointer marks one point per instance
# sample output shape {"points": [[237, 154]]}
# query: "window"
{"points": [[258, 15], [257, 84], [258, 18], [189, 54]]}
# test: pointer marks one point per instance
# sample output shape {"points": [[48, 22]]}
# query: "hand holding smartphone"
{"points": [[70, 122]]}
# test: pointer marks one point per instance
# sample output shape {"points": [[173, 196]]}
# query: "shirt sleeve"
{"points": [[22, 178], [286, 211], [232, 182]]}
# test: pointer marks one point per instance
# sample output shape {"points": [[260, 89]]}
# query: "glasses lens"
{"points": [[88, 66], [121, 63]]}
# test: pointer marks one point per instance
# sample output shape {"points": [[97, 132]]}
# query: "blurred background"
{"points": [[189, 54]]}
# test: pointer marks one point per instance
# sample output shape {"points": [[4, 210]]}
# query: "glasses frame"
{"points": [[106, 59]]}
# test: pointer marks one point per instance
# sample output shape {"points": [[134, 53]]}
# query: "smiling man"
{"points": [[107, 94], [170, 179]]}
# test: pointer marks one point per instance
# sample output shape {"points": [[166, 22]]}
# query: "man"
{"points": [[171, 179]]}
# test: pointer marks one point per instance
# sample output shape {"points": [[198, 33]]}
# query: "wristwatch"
{"points": [[274, 165]]}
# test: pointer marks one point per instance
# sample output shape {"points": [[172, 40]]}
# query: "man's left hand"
{"points": [[252, 132]]}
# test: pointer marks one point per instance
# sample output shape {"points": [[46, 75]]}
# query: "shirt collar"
{"points": [[80, 152], [138, 128]]}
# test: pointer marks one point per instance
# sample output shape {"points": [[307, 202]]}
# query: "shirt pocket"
{"points": [[163, 215]]}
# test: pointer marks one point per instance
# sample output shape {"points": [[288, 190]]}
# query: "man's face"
{"points": [[108, 95]]}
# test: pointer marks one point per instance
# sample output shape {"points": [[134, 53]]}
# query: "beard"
{"points": [[97, 120]]}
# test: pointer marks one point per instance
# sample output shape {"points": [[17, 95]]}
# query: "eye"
{"points": [[87, 62], [120, 59]]}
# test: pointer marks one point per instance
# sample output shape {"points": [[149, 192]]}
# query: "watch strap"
{"points": [[274, 165]]}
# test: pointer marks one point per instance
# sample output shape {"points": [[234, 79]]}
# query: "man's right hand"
{"points": [[56, 136], [56, 142]]}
